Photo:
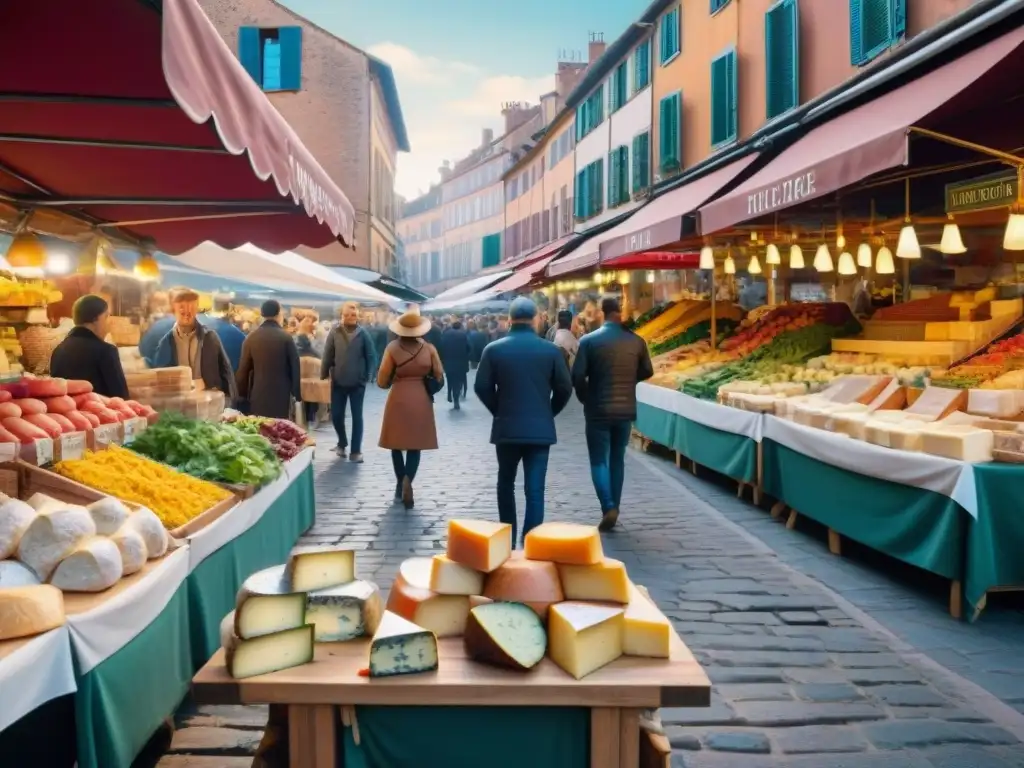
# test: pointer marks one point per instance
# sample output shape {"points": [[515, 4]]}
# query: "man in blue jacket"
{"points": [[218, 321], [350, 362], [524, 382]]}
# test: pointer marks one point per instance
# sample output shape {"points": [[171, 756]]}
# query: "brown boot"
{"points": [[407, 499]]}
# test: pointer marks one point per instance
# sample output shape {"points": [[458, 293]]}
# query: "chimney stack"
{"points": [[445, 170], [596, 47], [488, 137]]}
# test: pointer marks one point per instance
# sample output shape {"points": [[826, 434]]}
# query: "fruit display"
{"points": [[560, 599], [819, 372], [27, 293], [994, 368], [284, 436], [693, 334], [209, 451], [175, 497], [639, 322]]}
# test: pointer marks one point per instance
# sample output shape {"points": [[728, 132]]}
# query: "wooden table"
{"points": [[615, 694]]}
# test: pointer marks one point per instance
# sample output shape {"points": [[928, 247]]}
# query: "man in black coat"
{"points": [[269, 373], [454, 353], [85, 355]]}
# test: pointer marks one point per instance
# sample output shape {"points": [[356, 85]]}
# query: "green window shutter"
{"points": [[597, 188], [613, 163], [577, 197], [671, 109], [642, 66], [717, 5], [899, 20], [723, 98], [635, 167], [581, 120], [856, 38], [669, 35], [874, 26], [249, 51], [290, 39], [663, 140], [598, 108], [623, 181], [491, 247], [641, 162], [782, 57]]}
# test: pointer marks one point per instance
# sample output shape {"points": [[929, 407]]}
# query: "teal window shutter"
{"points": [[671, 115], [782, 57], [669, 35], [717, 5], [491, 247], [619, 83], [290, 39], [635, 168], [271, 64], [249, 51], [899, 20], [641, 162], [598, 187], [642, 66], [723, 99], [623, 180], [613, 177], [874, 26]]}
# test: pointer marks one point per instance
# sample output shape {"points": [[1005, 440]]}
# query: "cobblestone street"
{"points": [[816, 661]]}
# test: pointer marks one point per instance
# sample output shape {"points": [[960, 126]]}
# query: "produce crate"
{"points": [[241, 490]]}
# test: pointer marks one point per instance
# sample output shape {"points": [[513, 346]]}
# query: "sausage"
{"points": [[24, 431], [85, 397], [61, 404], [65, 424], [79, 420], [46, 387], [79, 387], [9, 411], [45, 423], [30, 405]]}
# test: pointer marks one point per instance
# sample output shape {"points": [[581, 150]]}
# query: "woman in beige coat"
{"points": [[408, 425]]}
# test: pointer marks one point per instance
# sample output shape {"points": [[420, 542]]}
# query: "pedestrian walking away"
{"points": [[269, 375], [455, 353], [349, 361], [477, 341], [565, 339], [524, 382], [609, 364], [304, 343], [407, 367]]}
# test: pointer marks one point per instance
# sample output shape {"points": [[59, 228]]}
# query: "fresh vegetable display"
{"points": [[694, 333], [286, 438], [1000, 358], [641, 320], [209, 451], [175, 497]]}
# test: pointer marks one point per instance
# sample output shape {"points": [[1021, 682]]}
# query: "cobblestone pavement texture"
{"points": [[816, 661]]}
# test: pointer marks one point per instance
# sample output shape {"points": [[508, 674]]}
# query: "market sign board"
{"points": [[998, 190]]}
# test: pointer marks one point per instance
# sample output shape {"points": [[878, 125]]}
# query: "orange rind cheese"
{"points": [[532, 582], [568, 543], [413, 600], [479, 544]]}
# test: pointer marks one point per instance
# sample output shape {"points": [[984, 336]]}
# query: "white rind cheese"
{"points": [[400, 647], [344, 613], [15, 574], [108, 514], [312, 568], [15, 517], [450, 578], [51, 537], [132, 547], [266, 604], [29, 610], [94, 565], [269, 653], [42, 503], [145, 521]]}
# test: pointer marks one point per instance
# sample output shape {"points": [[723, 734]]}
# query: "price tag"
{"points": [[8, 451], [104, 435], [72, 446], [40, 452], [133, 428]]}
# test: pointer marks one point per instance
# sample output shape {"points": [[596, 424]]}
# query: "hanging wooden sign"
{"points": [[998, 190]]}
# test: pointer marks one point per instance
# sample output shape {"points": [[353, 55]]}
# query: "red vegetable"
{"points": [[16, 388], [81, 400], [9, 411], [46, 387], [114, 402], [24, 431], [30, 405], [7, 437], [45, 423], [61, 404], [107, 416], [79, 387], [63, 422], [95, 406], [136, 406], [79, 420], [125, 413], [92, 418]]}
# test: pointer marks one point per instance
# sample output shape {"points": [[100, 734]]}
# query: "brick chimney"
{"points": [[596, 47], [516, 113], [487, 137]]}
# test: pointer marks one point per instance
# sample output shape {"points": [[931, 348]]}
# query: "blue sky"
{"points": [[456, 60]]}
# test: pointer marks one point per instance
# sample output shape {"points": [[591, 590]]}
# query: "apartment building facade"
{"points": [[343, 104], [421, 235]]}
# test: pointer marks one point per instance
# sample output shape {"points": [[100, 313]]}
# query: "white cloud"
{"points": [[446, 105]]}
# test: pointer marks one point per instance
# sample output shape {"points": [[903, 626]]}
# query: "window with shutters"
{"points": [[619, 88], [669, 36], [723, 99], [782, 58], [641, 162], [590, 113], [875, 26], [642, 66], [589, 195], [272, 56], [618, 176], [670, 133], [717, 5]]}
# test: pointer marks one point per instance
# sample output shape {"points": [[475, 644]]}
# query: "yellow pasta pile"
{"points": [[174, 496]]}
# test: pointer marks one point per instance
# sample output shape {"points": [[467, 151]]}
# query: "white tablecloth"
{"points": [[709, 414], [951, 478], [34, 674]]}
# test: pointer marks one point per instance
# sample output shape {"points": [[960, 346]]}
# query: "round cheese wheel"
{"points": [[533, 582], [15, 517], [132, 548], [148, 525], [412, 599]]}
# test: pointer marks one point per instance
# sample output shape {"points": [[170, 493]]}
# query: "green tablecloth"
{"points": [[996, 541], [917, 526], [469, 737], [730, 454]]}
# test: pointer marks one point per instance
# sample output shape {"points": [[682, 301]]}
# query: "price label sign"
{"points": [[72, 446], [8, 451], [133, 428], [42, 451], [105, 434]]}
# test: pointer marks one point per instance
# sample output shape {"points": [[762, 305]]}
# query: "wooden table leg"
{"points": [[311, 736], [629, 738], [604, 737]]}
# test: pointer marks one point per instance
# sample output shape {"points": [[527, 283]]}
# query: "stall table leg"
{"points": [[614, 737], [311, 736]]}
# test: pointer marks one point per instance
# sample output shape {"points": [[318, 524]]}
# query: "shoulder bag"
{"points": [[433, 385]]}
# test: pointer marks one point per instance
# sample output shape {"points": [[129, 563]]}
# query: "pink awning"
{"points": [[654, 260], [660, 222], [855, 145], [523, 276]]}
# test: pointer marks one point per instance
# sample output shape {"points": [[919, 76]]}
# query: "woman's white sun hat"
{"points": [[410, 324]]}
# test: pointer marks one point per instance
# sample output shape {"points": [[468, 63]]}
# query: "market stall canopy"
{"points": [[654, 260], [548, 249], [383, 283], [485, 300], [281, 271], [867, 140], [468, 288], [140, 121], [524, 275]]}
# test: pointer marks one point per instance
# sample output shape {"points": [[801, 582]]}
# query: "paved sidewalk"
{"points": [[803, 676]]}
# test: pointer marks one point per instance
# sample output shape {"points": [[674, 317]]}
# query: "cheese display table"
{"points": [[134, 647], [451, 717]]}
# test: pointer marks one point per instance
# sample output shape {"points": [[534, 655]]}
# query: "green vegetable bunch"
{"points": [[693, 334], [219, 452]]}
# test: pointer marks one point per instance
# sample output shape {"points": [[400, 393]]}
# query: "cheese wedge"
{"points": [[266, 604], [450, 578], [92, 566], [412, 599], [108, 514], [344, 613], [532, 582], [647, 632], [475, 600], [145, 521], [569, 543], [400, 647], [479, 544], [604, 582], [508, 635], [269, 653], [29, 610], [312, 568], [583, 637]]}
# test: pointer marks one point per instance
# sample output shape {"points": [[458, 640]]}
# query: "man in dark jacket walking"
{"points": [[454, 353], [523, 381], [85, 355], [190, 343], [477, 342], [269, 373], [350, 362], [230, 337], [608, 366]]}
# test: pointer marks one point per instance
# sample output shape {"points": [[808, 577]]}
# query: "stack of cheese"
{"points": [[283, 610], [501, 601]]}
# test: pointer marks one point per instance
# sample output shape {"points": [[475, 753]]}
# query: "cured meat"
{"points": [[65, 424], [79, 420], [6, 436], [9, 410], [45, 423], [24, 431], [46, 387], [138, 408], [61, 404], [5, 396], [82, 399], [92, 418], [79, 387], [16, 388], [30, 405]]}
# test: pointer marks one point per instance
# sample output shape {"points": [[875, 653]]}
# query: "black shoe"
{"points": [[398, 491], [609, 520], [407, 499], [457, 408]]}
